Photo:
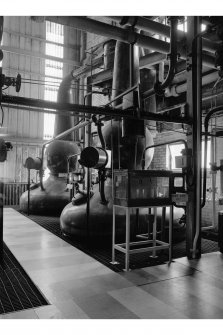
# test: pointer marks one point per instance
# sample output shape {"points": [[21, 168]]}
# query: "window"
{"points": [[208, 154], [183, 26], [53, 71], [174, 150], [203, 27]]}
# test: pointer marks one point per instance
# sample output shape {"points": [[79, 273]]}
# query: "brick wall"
{"points": [[160, 153]]}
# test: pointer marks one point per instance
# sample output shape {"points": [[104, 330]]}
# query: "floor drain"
{"points": [[17, 291]]}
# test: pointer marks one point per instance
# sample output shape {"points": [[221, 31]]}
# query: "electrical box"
{"points": [[143, 187]]}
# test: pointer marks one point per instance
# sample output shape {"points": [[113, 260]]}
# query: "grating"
{"points": [[102, 252], [17, 291]]}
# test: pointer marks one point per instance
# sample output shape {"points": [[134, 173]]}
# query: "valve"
{"points": [[11, 81], [215, 168]]}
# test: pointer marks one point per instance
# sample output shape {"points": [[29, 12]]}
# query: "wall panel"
{"points": [[18, 123], [25, 128]]}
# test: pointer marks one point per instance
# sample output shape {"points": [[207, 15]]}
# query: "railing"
{"points": [[12, 193]]}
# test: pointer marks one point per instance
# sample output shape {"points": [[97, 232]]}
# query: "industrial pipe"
{"points": [[175, 90], [213, 162], [106, 111], [206, 123], [197, 110], [107, 30], [28, 205], [1, 27], [160, 29], [160, 87], [104, 29]]}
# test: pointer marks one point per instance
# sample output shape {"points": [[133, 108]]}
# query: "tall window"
{"points": [[53, 71]]}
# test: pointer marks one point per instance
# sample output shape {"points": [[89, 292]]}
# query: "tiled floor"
{"points": [[79, 287]]}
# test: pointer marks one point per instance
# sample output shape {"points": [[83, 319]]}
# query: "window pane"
{"points": [[54, 69], [175, 150], [208, 155], [54, 33], [49, 120], [54, 50]]}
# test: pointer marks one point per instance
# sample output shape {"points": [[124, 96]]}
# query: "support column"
{"points": [[88, 144], [194, 75]]}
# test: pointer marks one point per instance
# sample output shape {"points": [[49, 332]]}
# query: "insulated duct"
{"points": [[63, 122]]}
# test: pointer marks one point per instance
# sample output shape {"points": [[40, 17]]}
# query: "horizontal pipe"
{"points": [[160, 29], [151, 59], [68, 131], [143, 23], [207, 79], [106, 111], [104, 29]]}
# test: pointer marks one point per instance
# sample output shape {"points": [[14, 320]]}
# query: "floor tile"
{"points": [[158, 273], [104, 306], [25, 314], [189, 295], [144, 305]]}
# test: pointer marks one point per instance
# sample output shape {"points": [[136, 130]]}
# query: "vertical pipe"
{"points": [[163, 219], [64, 122], [154, 231], [28, 192], [220, 231], [88, 144], [197, 125], [221, 178], [113, 236], [127, 238], [131, 65], [193, 210], [170, 234], [213, 177]]}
